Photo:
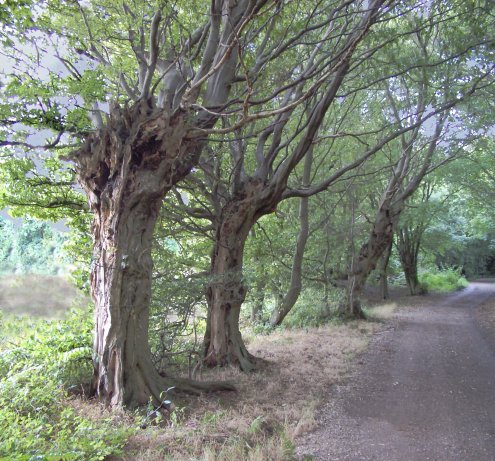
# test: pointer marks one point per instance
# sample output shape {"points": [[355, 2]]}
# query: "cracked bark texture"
{"points": [[126, 169]]}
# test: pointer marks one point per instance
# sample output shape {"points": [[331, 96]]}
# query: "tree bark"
{"points": [[126, 170], [378, 241], [408, 249], [223, 343], [281, 310], [384, 271]]}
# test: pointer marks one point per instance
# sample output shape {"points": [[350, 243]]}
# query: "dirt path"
{"points": [[425, 390]]}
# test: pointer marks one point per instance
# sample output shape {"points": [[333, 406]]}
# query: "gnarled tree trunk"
{"points": [[223, 342], [378, 241], [126, 169]]}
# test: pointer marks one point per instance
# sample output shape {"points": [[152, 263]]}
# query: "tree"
{"points": [[410, 232], [167, 76], [431, 84], [290, 298], [259, 174], [136, 89]]}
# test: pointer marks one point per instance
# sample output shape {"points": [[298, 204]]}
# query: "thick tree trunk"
{"points": [[223, 344], [126, 170], [121, 286]]}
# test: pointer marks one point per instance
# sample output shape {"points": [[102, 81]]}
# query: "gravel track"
{"points": [[425, 390]]}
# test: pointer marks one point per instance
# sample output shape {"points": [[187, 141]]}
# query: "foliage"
{"points": [[310, 312], [40, 364], [444, 281], [32, 247], [178, 308]]}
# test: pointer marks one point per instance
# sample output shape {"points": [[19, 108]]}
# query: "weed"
{"points": [[37, 367]]}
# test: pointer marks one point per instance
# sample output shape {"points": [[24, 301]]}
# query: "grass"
{"points": [[273, 405]]}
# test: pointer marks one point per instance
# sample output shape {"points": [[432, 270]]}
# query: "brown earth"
{"points": [[424, 390]]}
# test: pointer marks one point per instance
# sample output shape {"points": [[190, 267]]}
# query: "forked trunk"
{"points": [[223, 344], [412, 279]]}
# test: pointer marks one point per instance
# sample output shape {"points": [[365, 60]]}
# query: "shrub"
{"points": [[39, 363], [443, 281]]}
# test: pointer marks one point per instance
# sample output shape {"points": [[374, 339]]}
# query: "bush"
{"points": [[43, 362], [443, 281]]}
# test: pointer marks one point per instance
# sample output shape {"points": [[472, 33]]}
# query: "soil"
{"points": [[424, 390]]}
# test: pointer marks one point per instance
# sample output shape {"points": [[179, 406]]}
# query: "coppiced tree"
{"points": [[254, 178], [260, 175]]}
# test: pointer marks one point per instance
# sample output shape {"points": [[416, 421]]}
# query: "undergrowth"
{"points": [[45, 369], [41, 364], [443, 281]]}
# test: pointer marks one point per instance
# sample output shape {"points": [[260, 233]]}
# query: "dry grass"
{"points": [[273, 405], [42, 296]]}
